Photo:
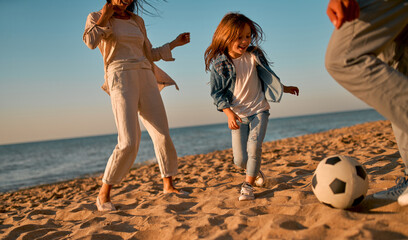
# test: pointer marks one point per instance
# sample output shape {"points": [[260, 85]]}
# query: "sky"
{"points": [[50, 81]]}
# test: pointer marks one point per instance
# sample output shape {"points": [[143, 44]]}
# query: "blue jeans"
{"points": [[247, 142]]}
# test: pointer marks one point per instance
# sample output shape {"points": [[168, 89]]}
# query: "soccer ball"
{"points": [[340, 182]]}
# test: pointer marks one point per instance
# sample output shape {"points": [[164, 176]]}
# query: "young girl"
{"points": [[242, 83], [133, 82]]}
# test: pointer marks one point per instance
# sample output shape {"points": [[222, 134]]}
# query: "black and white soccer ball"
{"points": [[340, 182]]}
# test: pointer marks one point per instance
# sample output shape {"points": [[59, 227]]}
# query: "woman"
{"points": [[133, 82]]}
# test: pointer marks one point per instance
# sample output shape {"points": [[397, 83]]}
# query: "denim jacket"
{"points": [[223, 77]]}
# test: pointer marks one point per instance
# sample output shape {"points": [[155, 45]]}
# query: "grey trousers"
{"points": [[369, 58]]}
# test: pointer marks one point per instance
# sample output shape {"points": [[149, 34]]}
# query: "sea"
{"points": [[30, 164]]}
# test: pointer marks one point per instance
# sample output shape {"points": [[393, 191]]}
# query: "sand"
{"points": [[285, 208]]}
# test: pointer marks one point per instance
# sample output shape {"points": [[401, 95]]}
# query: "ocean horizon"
{"points": [[28, 164]]}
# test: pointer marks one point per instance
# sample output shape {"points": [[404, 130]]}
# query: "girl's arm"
{"points": [[291, 89], [232, 118], [218, 86]]}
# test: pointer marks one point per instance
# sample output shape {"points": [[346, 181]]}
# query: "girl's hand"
{"points": [[107, 12], [232, 119], [291, 89], [180, 40]]}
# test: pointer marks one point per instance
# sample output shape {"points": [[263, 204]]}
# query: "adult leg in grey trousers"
{"points": [[355, 59]]}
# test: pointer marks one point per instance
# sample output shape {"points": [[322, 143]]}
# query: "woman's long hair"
{"points": [[229, 29], [138, 7]]}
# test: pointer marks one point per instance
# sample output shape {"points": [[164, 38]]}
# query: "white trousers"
{"points": [[369, 58], [134, 93]]}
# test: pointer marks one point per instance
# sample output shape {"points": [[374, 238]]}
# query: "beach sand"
{"points": [[285, 208]]}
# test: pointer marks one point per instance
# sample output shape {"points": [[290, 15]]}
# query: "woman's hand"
{"points": [[291, 89], [232, 119], [180, 40], [107, 12]]}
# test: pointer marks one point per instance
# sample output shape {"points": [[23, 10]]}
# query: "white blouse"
{"points": [[129, 40]]}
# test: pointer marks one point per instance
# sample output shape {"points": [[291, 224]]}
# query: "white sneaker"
{"points": [[394, 192], [260, 179], [247, 192], [403, 198]]}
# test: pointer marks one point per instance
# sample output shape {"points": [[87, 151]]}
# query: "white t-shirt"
{"points": [[248, 98], [129, 41]]}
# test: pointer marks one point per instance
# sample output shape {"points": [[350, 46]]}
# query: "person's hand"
{"points": [[107, 12], [291, 89], [180, 40], [232, 119], [341, 11]]}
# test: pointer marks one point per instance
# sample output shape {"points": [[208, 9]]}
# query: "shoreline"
{"points": [[99, 147], [89, 175], [284, 208], [177, 127]]}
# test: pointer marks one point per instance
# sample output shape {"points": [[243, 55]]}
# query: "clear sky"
{"points": [[50, 81]]}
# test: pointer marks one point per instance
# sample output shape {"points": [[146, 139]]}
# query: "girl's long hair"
{"points": [[139, 6], [231, 25]]}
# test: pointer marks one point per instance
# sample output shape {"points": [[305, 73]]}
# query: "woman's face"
{"points": [[240, 45], [121, 4]]}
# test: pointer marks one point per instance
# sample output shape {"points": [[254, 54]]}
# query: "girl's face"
{"points": [[240, 45], [121, 4]]}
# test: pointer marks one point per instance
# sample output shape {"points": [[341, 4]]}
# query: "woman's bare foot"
{"points": [[168, 186], [103, 202], [104, 193]]}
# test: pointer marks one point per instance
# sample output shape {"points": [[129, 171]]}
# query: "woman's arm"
{"points": [[180, 40], [163, 52], [95, 27], [106, 13]]}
